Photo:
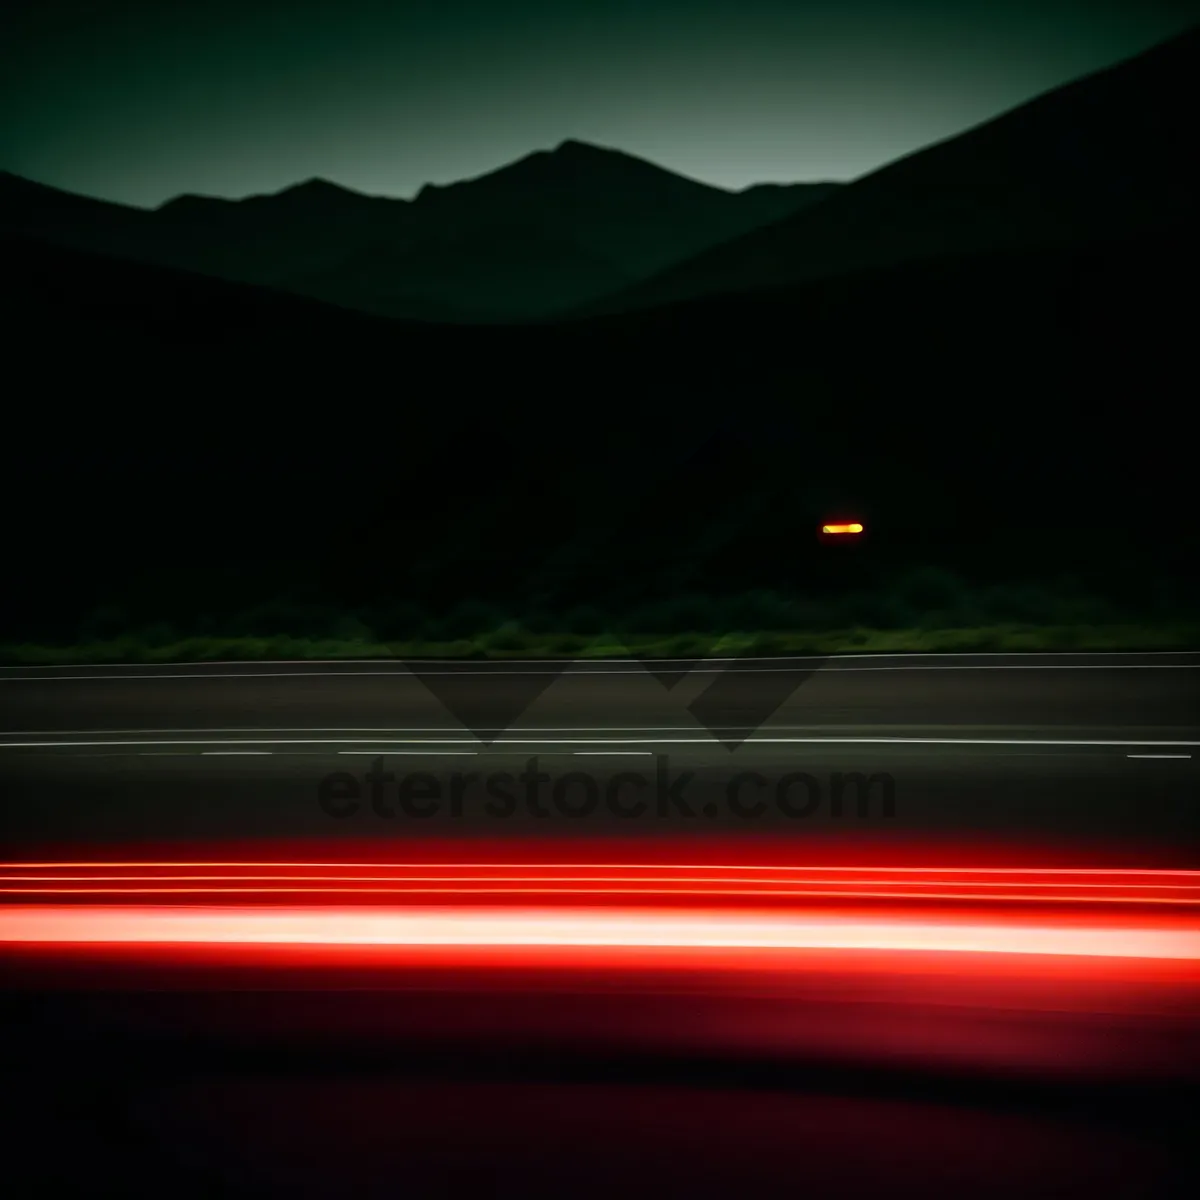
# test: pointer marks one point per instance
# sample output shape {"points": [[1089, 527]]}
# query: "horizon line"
{"points": [[428, 186]]}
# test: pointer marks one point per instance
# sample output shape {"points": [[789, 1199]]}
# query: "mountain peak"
{"points": [[570, 153], [572, 150], [193, 201], [310, 191], [575, 146], [317, 188], [316, 185]]}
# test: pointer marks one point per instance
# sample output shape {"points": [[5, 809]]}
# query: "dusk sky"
{"points": [[140, 100]]}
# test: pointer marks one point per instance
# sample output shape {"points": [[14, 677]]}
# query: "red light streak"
{"points": [[781, 893], [540, 878], [578, 866], [566, 880], [971, 917], [622, 928]]}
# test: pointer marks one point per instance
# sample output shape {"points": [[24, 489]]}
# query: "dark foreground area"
{"points": [[1007, 421], [228, 1115]]}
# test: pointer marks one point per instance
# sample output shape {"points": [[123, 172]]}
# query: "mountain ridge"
{"points": [[1101, 156], [601, 206], [1105, 151]]}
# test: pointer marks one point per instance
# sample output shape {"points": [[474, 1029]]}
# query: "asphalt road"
{"points": [[223, 1073], [1065, 750], [1026, 692]]}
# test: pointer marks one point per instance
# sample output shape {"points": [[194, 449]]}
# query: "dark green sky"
{"points": [[138, 100]]}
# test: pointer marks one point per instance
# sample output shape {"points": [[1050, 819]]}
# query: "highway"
{"points": [[1055, 1042], [1066, 750]]}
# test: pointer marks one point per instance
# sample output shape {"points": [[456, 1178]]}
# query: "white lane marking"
{"points": [[393, 729], [228, 753], [1158, 756], [834, 655], [693, 741], [448, 729], [419, 753], [611, 753], [694, 671]]}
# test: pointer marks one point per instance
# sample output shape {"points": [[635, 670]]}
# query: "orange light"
{"points": [[851, 528]]}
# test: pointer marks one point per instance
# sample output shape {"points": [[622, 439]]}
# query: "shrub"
{"points": [[398, 622], [466, 620], [567, 643], [586, 621], [1018, 602], [510, 636], [687, 645], [760, 610], [351, 629], [110, 621], [876, 609], [158, 635], [929, 589], [683, 614]]}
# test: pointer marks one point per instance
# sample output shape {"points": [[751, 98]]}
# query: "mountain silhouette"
{"points": [[466, 273], [1105, 156], [622, 208], [256, 240], [1006, 405], [549, 232]]}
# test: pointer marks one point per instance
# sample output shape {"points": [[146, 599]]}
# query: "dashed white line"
{"points": [[614, 753], [418, 753]]}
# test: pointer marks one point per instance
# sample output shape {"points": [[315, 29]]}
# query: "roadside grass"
{"points": [[511, 642]]}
